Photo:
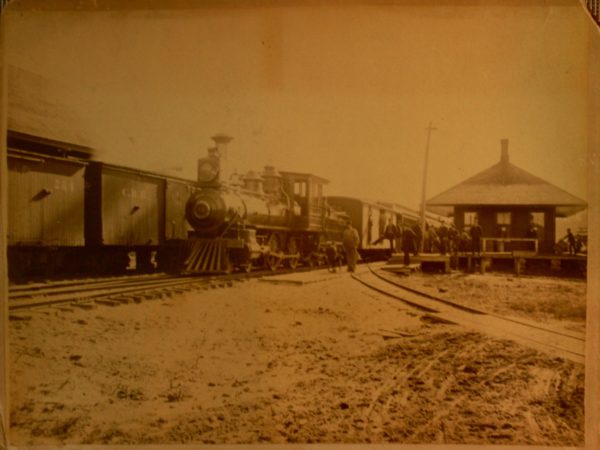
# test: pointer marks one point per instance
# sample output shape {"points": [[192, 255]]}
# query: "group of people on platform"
{"points": [[443, 239], [408, 239]]}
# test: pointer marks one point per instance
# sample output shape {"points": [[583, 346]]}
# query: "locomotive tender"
{"points": [[268, 220]]}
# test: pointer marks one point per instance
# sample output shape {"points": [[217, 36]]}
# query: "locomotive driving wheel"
{"points": [[292, 248], [273, 259]]}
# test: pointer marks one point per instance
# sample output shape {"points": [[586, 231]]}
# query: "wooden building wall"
{"points": [[520, 223]]}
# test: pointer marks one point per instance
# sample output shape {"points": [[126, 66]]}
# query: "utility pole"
{"points": [[429, 129]]}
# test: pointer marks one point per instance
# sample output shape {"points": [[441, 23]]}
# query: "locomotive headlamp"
{"points": [[208, 170]]}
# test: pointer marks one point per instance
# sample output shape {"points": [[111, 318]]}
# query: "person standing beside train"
{"points": [[409, 242], [390, 233], [350, 241]]}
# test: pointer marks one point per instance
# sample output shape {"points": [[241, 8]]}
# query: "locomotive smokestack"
{"points": [[221, 140], [504, 151]]}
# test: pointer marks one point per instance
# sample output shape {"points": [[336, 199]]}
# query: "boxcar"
{"points": [[124, 216], [45, 212], [130, 215]]}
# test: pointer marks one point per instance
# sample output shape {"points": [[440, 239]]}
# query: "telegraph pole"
{"points": [[429, 129]]}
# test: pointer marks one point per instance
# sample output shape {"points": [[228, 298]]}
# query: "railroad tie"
{"points": [[107, 302], [19, 317], [123, 300], [437, 319], [83, 305]]}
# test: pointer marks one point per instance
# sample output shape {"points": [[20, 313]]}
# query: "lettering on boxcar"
{"points": [[135, 194]]}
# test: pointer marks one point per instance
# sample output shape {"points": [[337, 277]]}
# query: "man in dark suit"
{"points": [[476, 233]]}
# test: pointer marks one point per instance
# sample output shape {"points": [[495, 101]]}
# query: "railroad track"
{"points": [[562, 343], [118, 290]]}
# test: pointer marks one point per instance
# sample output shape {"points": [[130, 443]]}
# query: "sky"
{"points": [[344, 91]]}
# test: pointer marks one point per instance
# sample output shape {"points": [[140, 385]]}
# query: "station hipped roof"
{"points": [[505, 184]]}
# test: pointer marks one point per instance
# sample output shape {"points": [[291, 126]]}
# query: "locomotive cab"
{"points": [[307, 191]]}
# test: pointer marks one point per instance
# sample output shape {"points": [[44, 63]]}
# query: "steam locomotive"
{"points": [[277, 218]]}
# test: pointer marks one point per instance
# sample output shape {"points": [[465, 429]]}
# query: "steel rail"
{"points": [[452, 312], [476, 310], [134, 286]]}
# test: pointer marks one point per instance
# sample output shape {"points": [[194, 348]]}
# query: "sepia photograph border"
{"points": [[592, 367]]}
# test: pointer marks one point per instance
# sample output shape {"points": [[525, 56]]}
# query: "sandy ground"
{"points": [[263, 363]]}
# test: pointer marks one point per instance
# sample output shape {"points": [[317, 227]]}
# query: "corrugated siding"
{"points": [[45, 202], [132, 208], [176, 226]]}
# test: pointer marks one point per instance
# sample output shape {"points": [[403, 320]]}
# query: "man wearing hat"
{"points": [[350, 241]]}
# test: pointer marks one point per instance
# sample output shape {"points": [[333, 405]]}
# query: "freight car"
{"points": [[129, 214], [273, 219], [45, 206], [68, 214]]}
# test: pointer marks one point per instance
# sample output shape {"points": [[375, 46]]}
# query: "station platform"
{"points": [[519, 262], [423, 261]]}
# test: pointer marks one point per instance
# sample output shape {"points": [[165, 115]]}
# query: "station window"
{"points": [[503, 218], [537, 219], [470, 218]]}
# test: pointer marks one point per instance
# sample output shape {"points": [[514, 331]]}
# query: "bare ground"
{"points": [[273, 363], [556, 301]]}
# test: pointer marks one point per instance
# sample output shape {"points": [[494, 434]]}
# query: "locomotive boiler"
{"points": [[256, 220]]}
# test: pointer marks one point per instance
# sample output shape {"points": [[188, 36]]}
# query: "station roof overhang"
{"points": [[448, 210], [506, 185]]}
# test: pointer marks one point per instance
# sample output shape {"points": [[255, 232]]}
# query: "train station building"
{"points": [[516, 210]]}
